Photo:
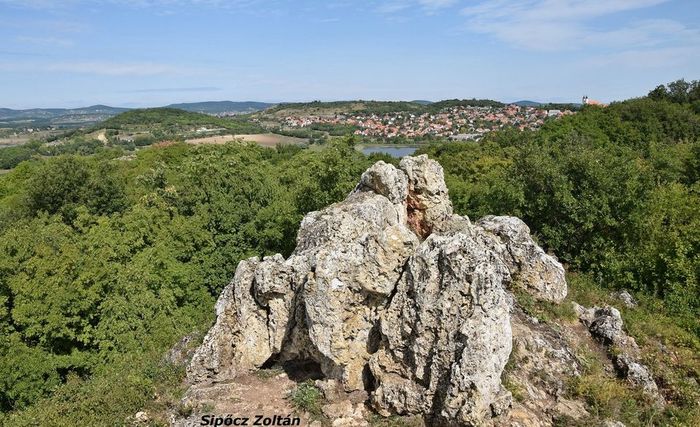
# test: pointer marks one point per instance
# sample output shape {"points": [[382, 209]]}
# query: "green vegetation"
{"points": [[613, 192], [172, 119], [545, 311], [129, 130], [106, 263], [334, 129], [107, 260], [12, 156], [368, 107], [672, 353], [306, 397], [379, 107], [556, 106], [680, 92], [314, 136]]}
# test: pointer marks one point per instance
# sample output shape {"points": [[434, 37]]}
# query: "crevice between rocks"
{"points": [[415, 215]]}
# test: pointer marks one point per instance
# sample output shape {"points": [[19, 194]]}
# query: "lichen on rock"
{"points": [[391, 295]]}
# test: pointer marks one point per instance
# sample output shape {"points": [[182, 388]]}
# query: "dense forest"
{"points": [[107, 262]]}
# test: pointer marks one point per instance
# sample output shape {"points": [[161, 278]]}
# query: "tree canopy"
{"points": [[108, 260]]}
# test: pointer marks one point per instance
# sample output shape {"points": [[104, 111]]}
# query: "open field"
{"points": [[9, 138], [264, 139], [11, 142], [15, 140]]}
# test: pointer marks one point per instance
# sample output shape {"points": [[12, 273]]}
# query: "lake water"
{"points": [[397, 151]]}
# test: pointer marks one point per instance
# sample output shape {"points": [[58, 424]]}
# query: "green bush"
{"points": [[104, 261], [612, 191], [307, 397]]}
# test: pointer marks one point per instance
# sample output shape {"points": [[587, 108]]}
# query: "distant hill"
{"points": [[448, 103], [550, 105], [218, 107], [87, 116], [57, 116], [172, 119], [374, 107], [74, 117], [527, 103]]}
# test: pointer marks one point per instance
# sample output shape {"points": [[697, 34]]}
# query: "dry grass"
{"points": [[264, 139]]}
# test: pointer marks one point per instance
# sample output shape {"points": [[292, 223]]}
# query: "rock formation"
{"points": [[390, 294], [605, 324]]}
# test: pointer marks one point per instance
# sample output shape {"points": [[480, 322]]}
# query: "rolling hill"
{"points": [[75, 117], [373, 107], [525, 103], [174, 120], [217, 107], [57, 116]]}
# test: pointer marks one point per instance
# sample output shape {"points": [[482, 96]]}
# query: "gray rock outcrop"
{"points": [[390, 294], [606, 325], [446, 335], [531, 268]]}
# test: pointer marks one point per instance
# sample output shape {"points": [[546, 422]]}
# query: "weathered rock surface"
{"points": [[606, 325], [446, 335], [391, 295], [531, 268], [626, 298]]}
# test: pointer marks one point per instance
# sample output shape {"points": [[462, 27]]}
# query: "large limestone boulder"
{"points": [[253, 316], [532, 269], [446, 335], [347, 262], [391, 295]]}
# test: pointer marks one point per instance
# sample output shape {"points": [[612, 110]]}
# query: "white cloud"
{"points": [[58, 4], [646, 58], [104, 68], [391, 7], [45, 41], [117, 68], [436, 4], [555, 25], [430, 6], [548, 10]]}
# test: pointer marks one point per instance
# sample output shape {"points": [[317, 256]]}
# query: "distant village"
{"points": [[456, 123]]}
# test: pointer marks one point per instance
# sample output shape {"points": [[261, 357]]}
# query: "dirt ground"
{"points": [[16, 140], [264, 139], [246, 397], [8, 138]]}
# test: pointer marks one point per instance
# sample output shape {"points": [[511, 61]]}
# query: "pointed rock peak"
{"points": [[418, 185], [421, 326], [428, 204], [384, 179]]}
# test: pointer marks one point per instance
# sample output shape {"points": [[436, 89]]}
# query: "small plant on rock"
{"points": [[307, 397]]}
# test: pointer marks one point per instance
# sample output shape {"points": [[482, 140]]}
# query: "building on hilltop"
{"points": [[587, 101]]}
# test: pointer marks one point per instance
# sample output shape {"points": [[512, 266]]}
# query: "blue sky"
{"points": [[69, 53]]}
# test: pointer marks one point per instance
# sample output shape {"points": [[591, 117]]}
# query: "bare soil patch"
{"points": [[264, 139], [247, 396]]}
